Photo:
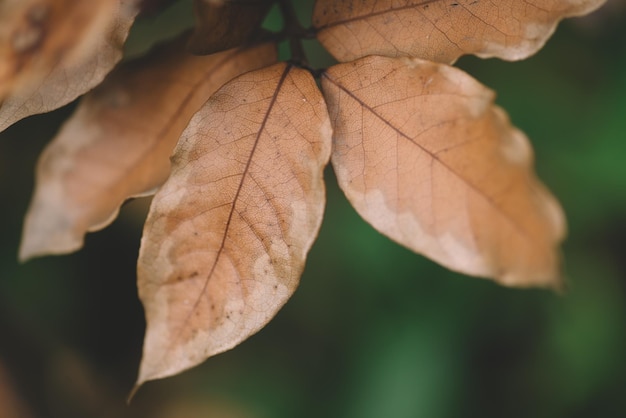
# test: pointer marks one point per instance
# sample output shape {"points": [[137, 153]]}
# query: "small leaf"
{"points": [[424, 156], [228, 233], [118, 142], [38, 36], [440, 30], [66, 80], [223, 25]]}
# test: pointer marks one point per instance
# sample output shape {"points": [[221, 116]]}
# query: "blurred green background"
{"points": [[373, 330]]}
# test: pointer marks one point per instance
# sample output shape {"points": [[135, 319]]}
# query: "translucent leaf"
{"points": [[118, 142], [227, 235], [441, 30], [424, 156]]}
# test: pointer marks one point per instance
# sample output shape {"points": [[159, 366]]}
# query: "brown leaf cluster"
{"points": [[109, 151], [419, 148]]}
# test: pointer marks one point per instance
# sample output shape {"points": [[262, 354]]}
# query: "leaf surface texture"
{"points": [[423, 155], [227, 235], [441, 30]]}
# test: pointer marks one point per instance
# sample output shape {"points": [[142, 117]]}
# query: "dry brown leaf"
{"points": [[425, 157], [118, 142], [228, 233], [441, 30], [67, 80], [222, 25], [36, 36]]}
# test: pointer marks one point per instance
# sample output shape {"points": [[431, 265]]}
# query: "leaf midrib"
{"points": [[220, 250], [373, 14], [434, 156]]}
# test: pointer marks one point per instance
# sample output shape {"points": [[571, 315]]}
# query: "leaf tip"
{"points": [[31, 248], [550, 279], [559, 285], [133, 392], [40, 238], [24, 255]]}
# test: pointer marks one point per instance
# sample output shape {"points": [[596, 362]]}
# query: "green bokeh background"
{"points": [[373, 330]]}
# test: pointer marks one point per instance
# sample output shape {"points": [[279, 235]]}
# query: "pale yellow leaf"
{"points": [[228, 233], [441, 30], [118, 142], [66, 80], [423, 155], [38, 36]]}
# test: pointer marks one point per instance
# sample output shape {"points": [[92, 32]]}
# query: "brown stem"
{"points": [[295, 32]]}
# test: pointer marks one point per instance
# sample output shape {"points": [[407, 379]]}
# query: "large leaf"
{"points": [[228, 233], [37, 36], [118, 142], [65, 80], [423, 155], [441, 30]]}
